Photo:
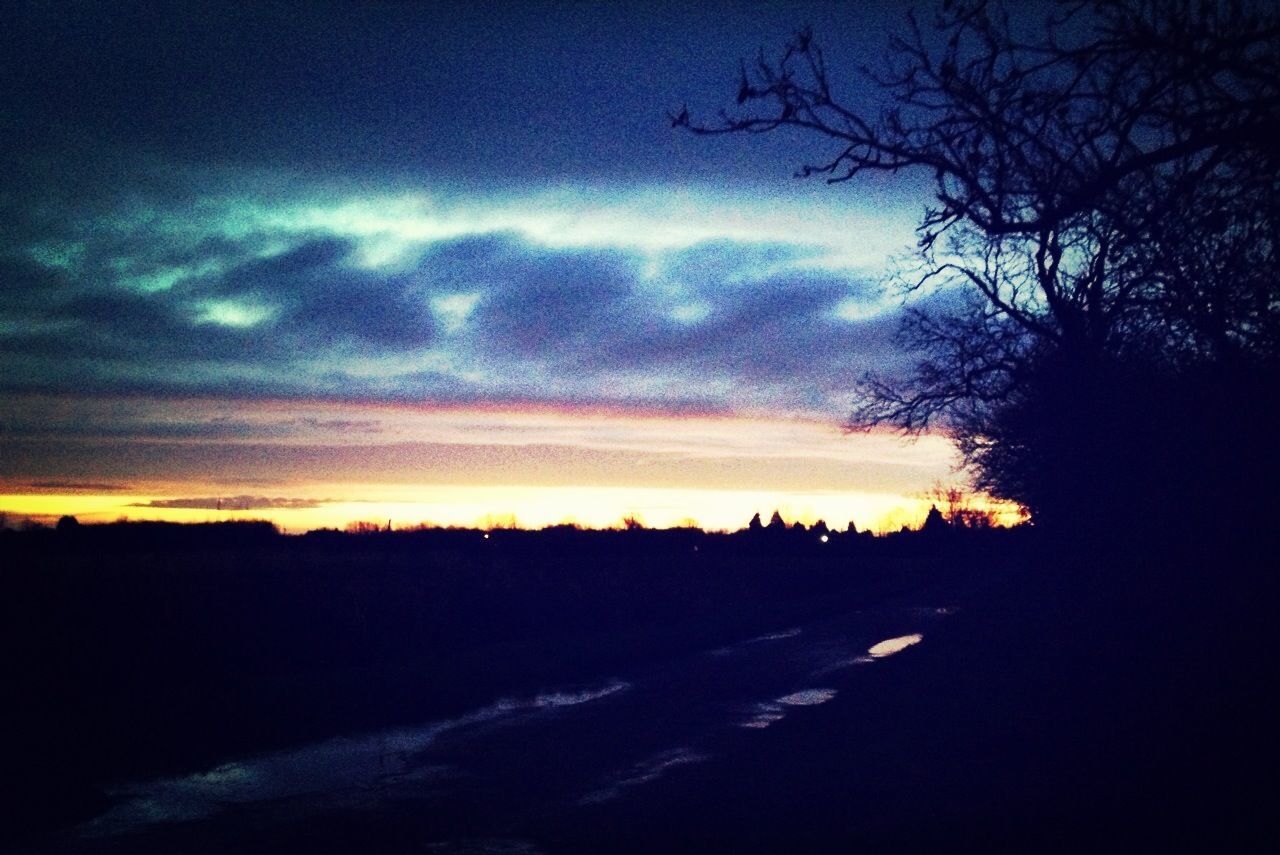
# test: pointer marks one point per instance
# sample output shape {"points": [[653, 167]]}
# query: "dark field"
{"points": [[228, 689]]}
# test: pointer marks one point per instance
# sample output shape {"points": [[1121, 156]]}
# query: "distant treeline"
{"points": [[253, 532]]}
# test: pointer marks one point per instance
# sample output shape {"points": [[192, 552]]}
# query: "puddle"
{"points": [[771, 712], [807, 698], [345, 770], [890, 646], [642, 773], [759, 639]]}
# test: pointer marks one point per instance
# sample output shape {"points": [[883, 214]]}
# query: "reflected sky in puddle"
{"points": [[807, 698], [890, 646], [879, 650], [701, 696], [759, 639], [841, 664], [775, 636], [770, 712], [344, 770], [933, 611], [642, 773]]}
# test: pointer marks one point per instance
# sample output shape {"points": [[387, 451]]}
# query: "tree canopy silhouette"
{"points": [[1105, 182]]}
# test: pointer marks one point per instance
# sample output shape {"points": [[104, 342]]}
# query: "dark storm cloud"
{"points": [[596, 311], [776, 326], [554, 307], [321, 297], [789, 345], [178, 171], [130, 423], [708, 265], [594, 315], [308, 301], [160, 303]]}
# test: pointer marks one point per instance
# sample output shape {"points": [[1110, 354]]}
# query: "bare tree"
{"points": [[1105, 183], [959, 510]]}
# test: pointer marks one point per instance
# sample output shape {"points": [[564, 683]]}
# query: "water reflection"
{"points": [[643, 772], [343, 771], [880, 650], [807, 698], [890, 646], [769, 712], [699, 696], [741, 646]]}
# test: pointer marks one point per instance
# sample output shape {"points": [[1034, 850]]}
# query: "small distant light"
{"points": [[824, 538], [486, 535]]}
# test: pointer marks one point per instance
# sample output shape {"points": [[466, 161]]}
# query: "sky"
{"points": [[449, 263]]}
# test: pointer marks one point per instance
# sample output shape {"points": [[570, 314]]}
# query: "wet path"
{"points": [[481, 781]]}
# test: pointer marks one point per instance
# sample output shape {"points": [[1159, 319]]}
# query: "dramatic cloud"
{"points": [[289, 244], [235, 503], [299, 299]]}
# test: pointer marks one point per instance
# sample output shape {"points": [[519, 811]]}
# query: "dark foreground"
{"points": [[231, 690]]}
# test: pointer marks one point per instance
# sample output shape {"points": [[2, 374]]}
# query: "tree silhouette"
{"points": [[934, 523], [958, 509], [1105, 183]]}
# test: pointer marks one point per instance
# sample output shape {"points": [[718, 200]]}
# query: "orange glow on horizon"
{"points": [[487, 507], [316, 464]]}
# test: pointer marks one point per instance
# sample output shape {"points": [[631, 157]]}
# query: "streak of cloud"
{"points": [[234, 503]]}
